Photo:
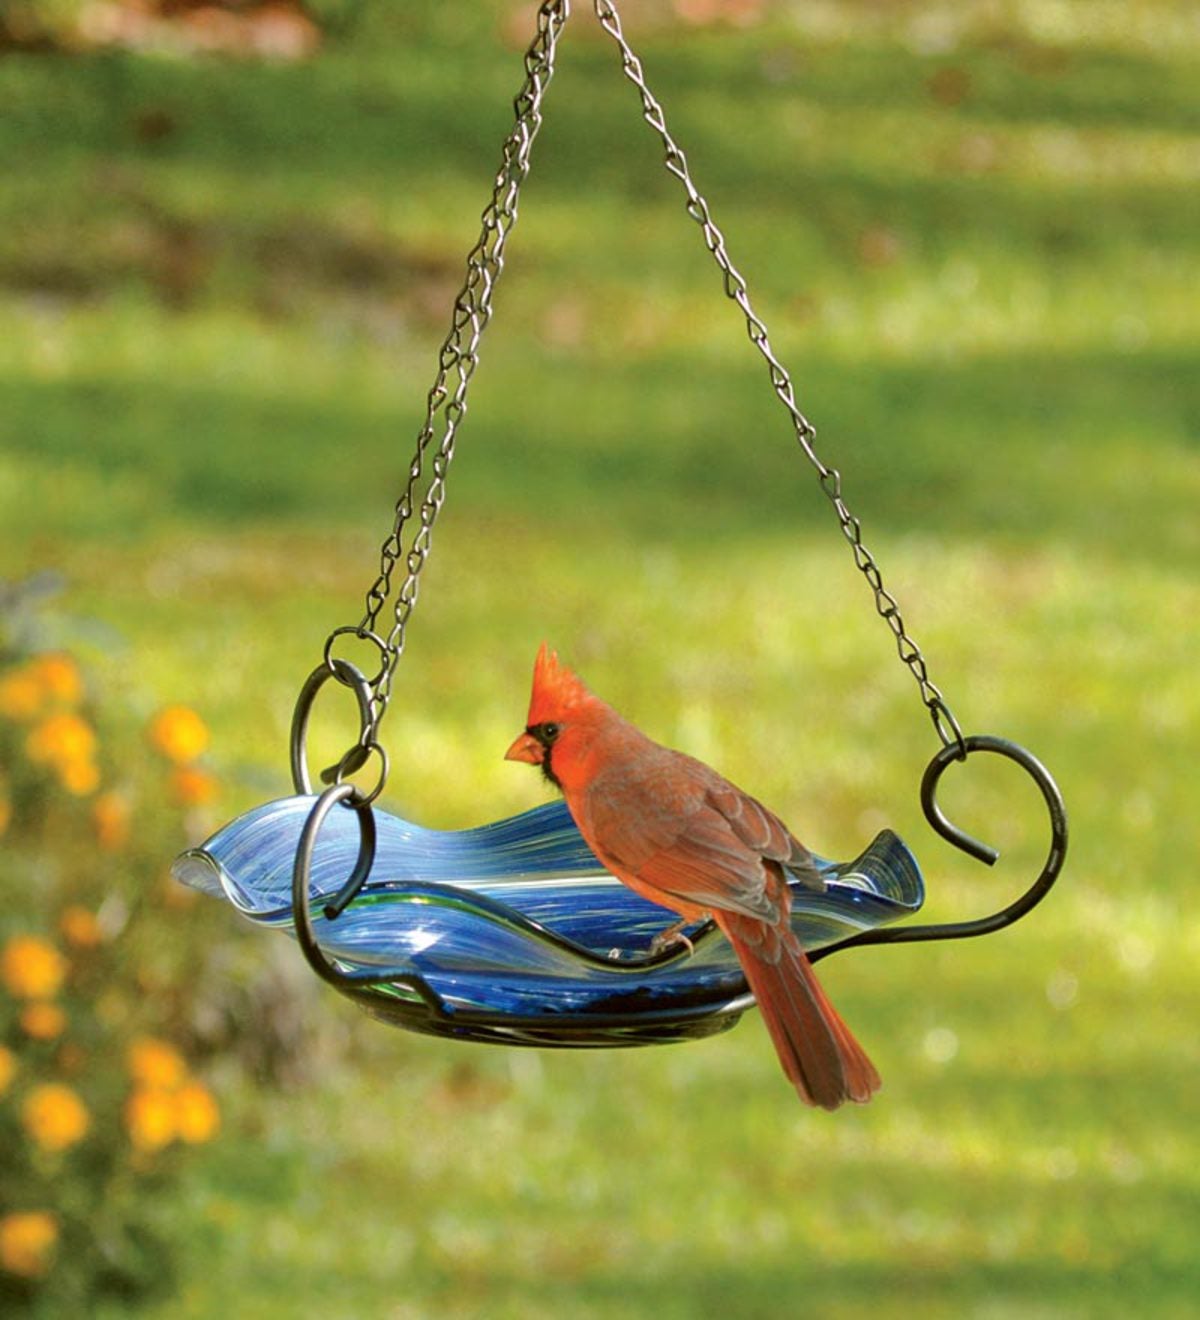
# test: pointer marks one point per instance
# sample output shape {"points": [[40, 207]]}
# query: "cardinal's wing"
{"points": [[681, 830], [763, 831]]}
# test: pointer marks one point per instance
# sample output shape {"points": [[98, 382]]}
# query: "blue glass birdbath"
{"points": [[513, 931]]}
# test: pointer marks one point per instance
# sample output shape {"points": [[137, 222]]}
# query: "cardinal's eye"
{"points": [[545, 733]]}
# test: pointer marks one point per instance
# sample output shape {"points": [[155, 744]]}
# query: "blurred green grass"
{"points": [[973, 234]]}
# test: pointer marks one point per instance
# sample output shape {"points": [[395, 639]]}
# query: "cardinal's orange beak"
{"points": [[526, 748]]}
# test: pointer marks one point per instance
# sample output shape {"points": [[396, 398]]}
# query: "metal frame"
{"points": [[429, 1012]]}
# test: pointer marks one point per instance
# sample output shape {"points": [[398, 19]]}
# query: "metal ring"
{"points": [[1057, 855], [349, 676], [363, 635], [302, 869], [355, 759]]}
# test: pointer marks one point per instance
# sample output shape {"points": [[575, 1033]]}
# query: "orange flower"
{"points": [[80, 927], [20, 695], [111, 814], [179, 733], [43, 1020], [150, 1118], [193, 787], [197, 1117], [61, 740], [154, 1063], [57, 674], [31, 968], [26, 1240], [54, 1116], [5, 811], [8, 1068]]}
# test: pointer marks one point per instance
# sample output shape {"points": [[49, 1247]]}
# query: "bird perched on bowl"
{"points": [[679, 834]]}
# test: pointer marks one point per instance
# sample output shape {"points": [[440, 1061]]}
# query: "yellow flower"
{"points": [[57, 674], [52, 679], [26, 1240], [67, 743], [179, 733], [31, 968], [8, 1068], [43, 1020], [79, 777], [61, 740], [110, 818], [197, 1117], [20, 695], [154, 1063], [150, 1118], [193, 787], [54, 1116], [80, 927]]}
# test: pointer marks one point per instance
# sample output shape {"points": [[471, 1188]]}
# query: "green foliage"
{"points": [[971, 232]]}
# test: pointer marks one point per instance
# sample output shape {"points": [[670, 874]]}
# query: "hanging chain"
{"points": [[447, 400], [458, 358], [830, 479]]}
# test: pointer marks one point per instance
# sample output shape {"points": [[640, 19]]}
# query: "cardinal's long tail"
{"points": [[822, 1059]]}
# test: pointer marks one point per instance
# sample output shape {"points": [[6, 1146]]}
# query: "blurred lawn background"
{"points": [[973, 231]]}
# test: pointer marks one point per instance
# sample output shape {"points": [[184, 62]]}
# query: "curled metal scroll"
{"points": [[958, 930], [348, 983]]}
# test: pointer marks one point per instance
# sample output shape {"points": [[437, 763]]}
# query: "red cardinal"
{"points": [[680, 835]]}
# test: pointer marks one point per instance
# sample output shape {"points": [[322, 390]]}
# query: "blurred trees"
{"points": [[273, 29]]}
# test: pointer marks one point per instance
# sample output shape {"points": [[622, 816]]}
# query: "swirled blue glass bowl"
{"points": [[513, 931]]}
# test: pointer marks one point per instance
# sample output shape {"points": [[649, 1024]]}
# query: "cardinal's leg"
{"points": [[673, 935]]}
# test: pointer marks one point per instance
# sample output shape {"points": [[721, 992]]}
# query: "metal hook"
{"points": [[957, 930], [349, 984], [349, 676]]}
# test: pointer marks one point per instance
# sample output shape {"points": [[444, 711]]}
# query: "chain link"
{"points": [[457, 360], [830, 479]]}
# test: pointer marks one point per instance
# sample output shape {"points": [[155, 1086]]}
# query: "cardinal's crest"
{"points": [[557, 691]]}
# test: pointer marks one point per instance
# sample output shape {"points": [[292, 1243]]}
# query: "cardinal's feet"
{"points": [[671, 938]]}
